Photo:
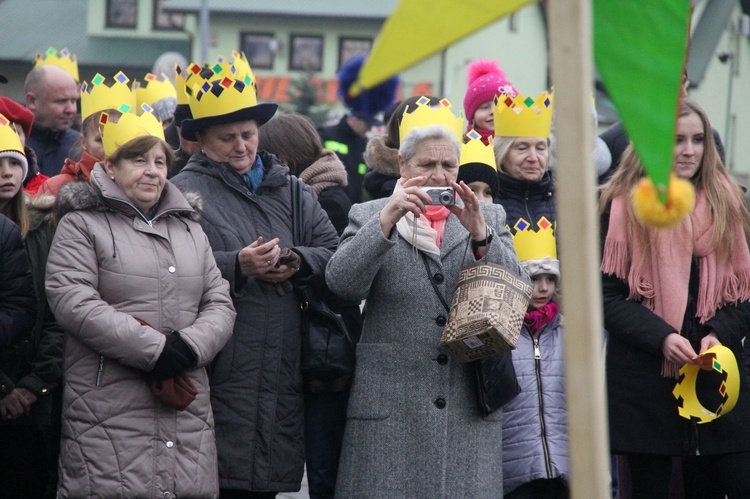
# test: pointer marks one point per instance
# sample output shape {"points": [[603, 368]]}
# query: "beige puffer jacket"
{"points": [[107, 265]]}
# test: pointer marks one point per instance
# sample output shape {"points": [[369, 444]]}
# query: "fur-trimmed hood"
{"points": [[381, 158], [103, 194]]}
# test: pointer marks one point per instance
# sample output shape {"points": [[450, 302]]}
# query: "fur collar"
{"points": [[381, 158], [82, 196]]}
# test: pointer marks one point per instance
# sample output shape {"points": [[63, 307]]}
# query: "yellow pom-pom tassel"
{"points": [[649, 209]]}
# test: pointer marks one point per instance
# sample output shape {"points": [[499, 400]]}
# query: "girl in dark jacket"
{"points": [[669, 296], [30, 357]]}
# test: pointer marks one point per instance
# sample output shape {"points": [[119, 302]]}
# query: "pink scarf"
{"points": [[535, 320], [661, 276], [429, 227]]}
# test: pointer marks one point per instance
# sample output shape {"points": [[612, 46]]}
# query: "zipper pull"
{"points": [[537, 352], [100, 370]]}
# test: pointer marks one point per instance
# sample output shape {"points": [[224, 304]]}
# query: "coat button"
{"points": [[170, 444], [171, 269], [439, 278], [442, 359], [440, 403], [440, 320], [167, 495]]}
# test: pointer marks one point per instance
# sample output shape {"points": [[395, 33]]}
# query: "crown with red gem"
{"points": [[97, 95], [221, 94], [523, 116], [425, 115], [128, 127], [63, 59], [533, 244]]}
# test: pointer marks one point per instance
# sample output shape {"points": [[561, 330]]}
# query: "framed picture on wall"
{"points": [[259, 49], [306, 53], [167, 20], [352, 47], [122, 13]]}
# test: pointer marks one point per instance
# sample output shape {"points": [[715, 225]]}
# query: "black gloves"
{"points": [[174, 359]]}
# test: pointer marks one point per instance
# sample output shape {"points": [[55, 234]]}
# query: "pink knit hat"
{"points": [[485, 80]]}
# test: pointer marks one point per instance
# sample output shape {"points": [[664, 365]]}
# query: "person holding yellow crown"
{"points": [[256, 386], [669, 295], [52, 95], [526, 187], [132, 280], [414, 428]]}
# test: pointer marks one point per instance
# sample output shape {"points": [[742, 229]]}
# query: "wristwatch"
{"points": [[475, 245]]}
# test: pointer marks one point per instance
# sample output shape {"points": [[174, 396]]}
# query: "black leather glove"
{"points": [[174, 359]]}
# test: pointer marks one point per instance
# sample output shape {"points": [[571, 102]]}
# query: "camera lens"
{"points": [[446, 198]]}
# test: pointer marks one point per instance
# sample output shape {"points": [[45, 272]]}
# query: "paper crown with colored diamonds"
{"points": [[523, 116], [63, 59], [473, 150], [159, 94], [221, 99], [128, 127], [424, 115], [97, 95], [533, 244], [182, 81], [10, 142]]}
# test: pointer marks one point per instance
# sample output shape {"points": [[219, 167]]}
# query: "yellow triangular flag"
{"points": [[419, 28]]}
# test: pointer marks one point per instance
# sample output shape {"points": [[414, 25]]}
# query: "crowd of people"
{"points": [[150, 324]]}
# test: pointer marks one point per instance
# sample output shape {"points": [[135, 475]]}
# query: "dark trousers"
{"points": [[703, 477], [23, 461], [325, 419], [554, 488]]}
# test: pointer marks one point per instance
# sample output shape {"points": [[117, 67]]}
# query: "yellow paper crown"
{"points": [[220, 96], [425, 115], [9, 139], [128, 127], [153, 89], [63, 59], [237, 69], [97, 96], [533, 244], [476, 151], [182, 81], [523, 116]]}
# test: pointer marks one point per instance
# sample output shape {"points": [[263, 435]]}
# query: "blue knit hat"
{"points": [[369, 103]]}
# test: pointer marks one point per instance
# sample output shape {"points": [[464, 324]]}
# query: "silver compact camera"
{"points": [[441, 196]]}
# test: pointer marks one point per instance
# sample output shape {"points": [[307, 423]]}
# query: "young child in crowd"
{"points": [[535, 440], [485, 80], [478, 169]]}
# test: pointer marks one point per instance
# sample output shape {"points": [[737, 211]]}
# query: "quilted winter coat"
{"points": [[107, 265]]}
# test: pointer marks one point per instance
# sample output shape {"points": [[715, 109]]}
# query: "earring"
{"points": [[112, 177]]}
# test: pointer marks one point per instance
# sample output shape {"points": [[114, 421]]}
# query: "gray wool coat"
{"points": [[413, 428], [256, 382]]}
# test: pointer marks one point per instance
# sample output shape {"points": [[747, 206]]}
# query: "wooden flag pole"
{"points": [[570, 38]]}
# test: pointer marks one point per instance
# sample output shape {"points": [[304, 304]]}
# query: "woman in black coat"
{"points": [[669, 296]]}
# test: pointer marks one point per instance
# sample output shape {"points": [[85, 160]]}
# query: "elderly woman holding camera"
{"points": [[413, 427]]}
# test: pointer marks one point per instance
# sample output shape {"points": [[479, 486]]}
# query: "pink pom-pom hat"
{"points": [[485, 80]]}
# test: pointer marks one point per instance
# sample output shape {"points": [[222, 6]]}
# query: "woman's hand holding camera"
{"points": [[410, 199], [470, 215]]}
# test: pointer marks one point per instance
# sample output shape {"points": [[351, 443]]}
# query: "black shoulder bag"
{"points": [[494, 376], [330, 326]]}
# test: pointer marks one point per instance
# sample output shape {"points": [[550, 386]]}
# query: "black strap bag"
{"points": [[330, 326], [495, 381]]}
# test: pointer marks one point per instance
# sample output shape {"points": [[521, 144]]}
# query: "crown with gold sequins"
{"points": [[425, 115], [63, 59], [523, 116]]}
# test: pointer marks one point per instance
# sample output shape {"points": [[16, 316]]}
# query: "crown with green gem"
{"points": [[523, 116], [128, 127], [98, 95], [221, 94], [63, 59]]}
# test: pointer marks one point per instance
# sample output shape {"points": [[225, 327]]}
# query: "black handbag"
{"points": [[495, 381], [330, 326]]}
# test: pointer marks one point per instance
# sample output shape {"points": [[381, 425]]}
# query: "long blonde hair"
{"points": [[726, 209]]}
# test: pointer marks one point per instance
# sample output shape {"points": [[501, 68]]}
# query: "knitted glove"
{"points": [[174, 359]]}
